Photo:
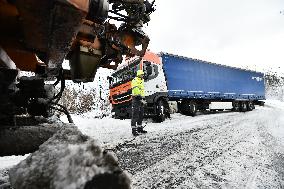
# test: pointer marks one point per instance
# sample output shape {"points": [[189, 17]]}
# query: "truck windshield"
{"points": [[124, 75]]}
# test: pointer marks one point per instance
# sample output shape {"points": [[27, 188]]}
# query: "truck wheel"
{"points": [[161, 111], [244, 106], [236, 106], [250, 106]]}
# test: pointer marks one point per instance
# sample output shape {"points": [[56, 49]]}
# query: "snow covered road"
{"points": [[233, 151], [222, 150]]}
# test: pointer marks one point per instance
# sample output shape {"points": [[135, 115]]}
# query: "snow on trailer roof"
{"points": [[206, 62]]}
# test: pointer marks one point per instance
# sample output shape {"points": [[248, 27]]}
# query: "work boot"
{"points": [[141, 130], [135, 132]]}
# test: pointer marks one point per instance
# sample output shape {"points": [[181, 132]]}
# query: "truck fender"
{"points": [[160, 97]]}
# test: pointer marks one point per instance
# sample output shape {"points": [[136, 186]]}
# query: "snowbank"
{"points": [[276, 128], [275, 103], [69, 160]]}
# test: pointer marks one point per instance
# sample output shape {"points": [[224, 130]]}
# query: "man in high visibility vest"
{"points": [[138, 96]]}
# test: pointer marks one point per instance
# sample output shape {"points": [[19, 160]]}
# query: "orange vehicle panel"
{"points": [[24, 60], [152, 57], [120, 90], [9, 21], [80, 4], [7, 10]]}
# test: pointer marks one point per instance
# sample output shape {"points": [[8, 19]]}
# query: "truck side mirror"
{"points": [[109, 78]]}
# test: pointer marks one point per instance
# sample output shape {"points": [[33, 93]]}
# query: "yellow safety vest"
{"points": [[137, 85]]}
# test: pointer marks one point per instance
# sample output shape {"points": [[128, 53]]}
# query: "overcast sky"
{"points": [[233, 32]]}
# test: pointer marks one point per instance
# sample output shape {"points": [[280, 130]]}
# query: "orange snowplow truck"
{"points": [[38, 35]]}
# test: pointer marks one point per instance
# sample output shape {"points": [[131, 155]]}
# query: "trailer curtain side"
{"points": [[191, 78]]}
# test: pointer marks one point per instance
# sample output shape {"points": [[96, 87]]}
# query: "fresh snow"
{"points": [[227, 150], [220, 150], [10, 161]]}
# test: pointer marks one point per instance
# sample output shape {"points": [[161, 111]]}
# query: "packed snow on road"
{"points": [[219, 150]]}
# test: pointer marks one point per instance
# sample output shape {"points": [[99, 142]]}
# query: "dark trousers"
{"points": [[137, 112]]}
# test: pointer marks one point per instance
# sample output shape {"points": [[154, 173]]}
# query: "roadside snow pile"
{"points": [[275, 104], [274, 86], [5, 164], [4, 179], [276, 93], [10, 161], [69, 160], [277, 128]]}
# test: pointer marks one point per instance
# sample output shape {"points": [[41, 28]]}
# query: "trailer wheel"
{"points": [[250, 106], [161, 111], [193, 108], [236, 106], [189, 108], [244, 106]]}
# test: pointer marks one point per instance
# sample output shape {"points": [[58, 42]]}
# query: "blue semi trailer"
{"points": [[193, 84]]}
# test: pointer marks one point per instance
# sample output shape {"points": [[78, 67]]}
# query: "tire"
{"points": [[161, 111], [236, 106], [243, 106], [250, 106], [193, 108], [189, 108]]}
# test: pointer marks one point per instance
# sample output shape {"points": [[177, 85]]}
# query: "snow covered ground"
{"points": [[221, 150]]}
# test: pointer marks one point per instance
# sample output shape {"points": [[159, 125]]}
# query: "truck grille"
{"points": [[120, 98]]}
